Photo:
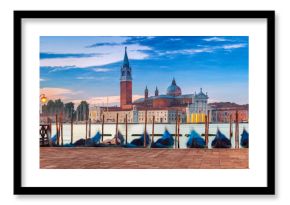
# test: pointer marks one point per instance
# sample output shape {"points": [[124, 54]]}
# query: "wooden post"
{"points": [[206, 131], [49, 131], [178, 125], [145, 129], [61, 129], [237, 130], [86, 129], [103, 127], [175, 139], [90, 128], [231, 132], [117, 121], [126, 129], [153, 123], [57, 130], [71, 130]]}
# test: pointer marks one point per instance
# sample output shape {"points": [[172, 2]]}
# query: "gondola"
{"points": [[53, 140], [166, 141], [220, 141], [245, 139], [195, 140], [117, 141], [139, 143], [91, 142]]}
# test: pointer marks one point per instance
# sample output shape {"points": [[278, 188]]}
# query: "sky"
{"points": [[75, 68]]}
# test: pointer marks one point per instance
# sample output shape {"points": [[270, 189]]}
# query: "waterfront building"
{"points": [[95, 113], [172, 99], [221, 112], [197, 110]]}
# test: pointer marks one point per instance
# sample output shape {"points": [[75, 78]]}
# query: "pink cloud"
{"points": [[56, 93], [103, 100]]}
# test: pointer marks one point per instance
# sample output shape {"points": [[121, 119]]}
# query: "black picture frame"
{"points": [[268, 190]]}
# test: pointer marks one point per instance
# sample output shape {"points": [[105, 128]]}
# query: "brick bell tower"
{"points": [[126, 84]]}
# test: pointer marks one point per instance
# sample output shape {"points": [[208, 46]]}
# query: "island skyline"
{"points": [[81, 68]]}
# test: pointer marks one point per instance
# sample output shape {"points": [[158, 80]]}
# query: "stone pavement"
{"points": [[122, 158]]}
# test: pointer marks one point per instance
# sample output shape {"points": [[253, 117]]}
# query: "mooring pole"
{"points": [[237, 131], [49, 130], [206, 131], [61, 129], [126, 129], [231, 134], [145, 128], [153, 123], [178, 123], [57, 130], [90, 128], [86, 129], [175, 140], [117, 134], [71, 130], [103, 127]]}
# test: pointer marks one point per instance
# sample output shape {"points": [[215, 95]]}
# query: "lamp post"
{"points": [[43, 100]]}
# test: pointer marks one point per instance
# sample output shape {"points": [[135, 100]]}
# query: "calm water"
{"points": [[79, 131]]}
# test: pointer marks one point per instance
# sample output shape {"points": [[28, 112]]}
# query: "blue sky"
{"points": [[88, 67]]}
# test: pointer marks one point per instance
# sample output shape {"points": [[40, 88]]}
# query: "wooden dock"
{"points": [[142, 158]]}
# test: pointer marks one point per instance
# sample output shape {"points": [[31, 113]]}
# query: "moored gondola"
{"points": [[195, 140], [221, 141], [166, 141], [245, 139], [139, 142], [117, 141]]}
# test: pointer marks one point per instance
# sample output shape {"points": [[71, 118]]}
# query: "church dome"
{"points": [[173, 89]]}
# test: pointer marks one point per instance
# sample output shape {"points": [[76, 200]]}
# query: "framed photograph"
{"points": [[144, 102]]}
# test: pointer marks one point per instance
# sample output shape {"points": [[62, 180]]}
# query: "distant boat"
{"points": [[221, 141], [195, 140], [117, 141], [135, 143], [245, 139], [166, 141]]}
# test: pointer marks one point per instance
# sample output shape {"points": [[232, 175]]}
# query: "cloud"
{"points": [[102, 70], [112, 54], [111, 100], [60, 68], [188, 51], [218, 39], [128, 41], [102, 44], [42, 79], [233, 46], [90, 78], [67, 55], [56, 93], [175, 39], [211, 49]]}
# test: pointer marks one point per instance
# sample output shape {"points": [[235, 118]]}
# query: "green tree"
{"points": [[82, 111], [68, 110]]}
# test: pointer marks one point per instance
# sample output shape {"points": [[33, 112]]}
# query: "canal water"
{"points": [[79, 131]]}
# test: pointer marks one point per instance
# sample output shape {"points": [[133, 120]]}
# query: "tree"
{"points": [[68, 110], [82, 111]]}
